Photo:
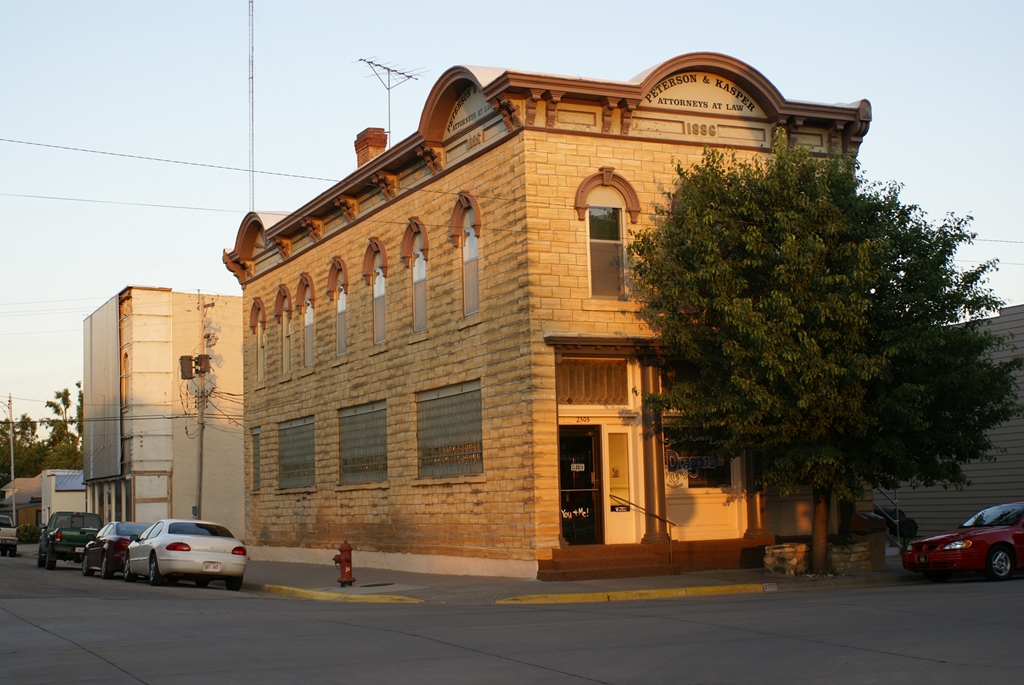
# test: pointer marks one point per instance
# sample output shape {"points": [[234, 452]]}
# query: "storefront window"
{"points": [[694, 460]]}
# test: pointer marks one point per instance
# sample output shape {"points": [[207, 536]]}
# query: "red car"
{"points": [[991, 541], [105, 553]]}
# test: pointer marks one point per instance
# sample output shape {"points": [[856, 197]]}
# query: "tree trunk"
{"points": [[819, 530]]}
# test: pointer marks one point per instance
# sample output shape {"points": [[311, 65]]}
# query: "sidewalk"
{"points": [[311, 581]]}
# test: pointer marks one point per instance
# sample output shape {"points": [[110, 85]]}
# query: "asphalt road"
{"points": [[61, 627]]}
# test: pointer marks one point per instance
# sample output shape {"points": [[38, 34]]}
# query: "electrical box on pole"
{"points": [[187, 372]]}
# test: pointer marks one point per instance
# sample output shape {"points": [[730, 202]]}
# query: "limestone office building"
{"points": [[442, 362]]}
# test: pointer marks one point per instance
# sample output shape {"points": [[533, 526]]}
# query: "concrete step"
{"points": [[607, 572]]}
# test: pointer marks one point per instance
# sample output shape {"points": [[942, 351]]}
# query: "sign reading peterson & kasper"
{"points": [[699, 91]]}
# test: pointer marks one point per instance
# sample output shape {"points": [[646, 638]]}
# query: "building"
{"points": [[139, 445], [63, 490], [938, 509], [23, 495], [442, 362]]}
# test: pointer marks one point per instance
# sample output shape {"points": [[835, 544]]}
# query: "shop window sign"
{"points": [[695, 461]]}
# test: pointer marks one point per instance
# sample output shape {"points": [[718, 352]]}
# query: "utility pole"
{"points": [[197, 367], [252, 121], [10, 439]]}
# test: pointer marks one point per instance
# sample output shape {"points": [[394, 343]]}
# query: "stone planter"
{"points": [[855, 558], [789, 559]]}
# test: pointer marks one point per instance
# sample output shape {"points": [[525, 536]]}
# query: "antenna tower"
{"points": [[252, 135], [395, 78]]}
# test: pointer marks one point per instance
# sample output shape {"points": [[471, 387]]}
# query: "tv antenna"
{"points": [[391, 77]]}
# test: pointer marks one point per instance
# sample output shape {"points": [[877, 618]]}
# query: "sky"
{"points": [[169, 80]]}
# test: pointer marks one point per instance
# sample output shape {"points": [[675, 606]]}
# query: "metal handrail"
{"points": [[896, 522], [647, 513]]}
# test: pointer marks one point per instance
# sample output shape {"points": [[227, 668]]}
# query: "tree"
{"points": [[60, 450], [786, 284], [28, 450], [62, 446]]}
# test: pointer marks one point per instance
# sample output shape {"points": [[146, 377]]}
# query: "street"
{"points": [[58, 626]]}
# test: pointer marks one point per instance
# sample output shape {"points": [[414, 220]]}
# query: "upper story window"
{"points": [[337, 287], [375, 273], [465, 234], [283, 312], [307, 333], [414, 254], [258, 325], [307, 296], [602, 200], [379, 305], [607, 253]]}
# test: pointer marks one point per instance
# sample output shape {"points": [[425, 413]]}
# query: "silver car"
{"points": [[200, 551]]}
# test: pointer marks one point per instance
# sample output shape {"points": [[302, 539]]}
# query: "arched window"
{"points": [[283, 311], [306, 295], [307, 333], [414, 254], [375, 273], [258, 325], [465, 233], [602, 200], [337, 287]]}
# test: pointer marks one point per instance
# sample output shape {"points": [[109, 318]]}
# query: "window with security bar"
{"points": [[449, 431], [363, 445], [296, 453], [255, 458], [592, 381]]}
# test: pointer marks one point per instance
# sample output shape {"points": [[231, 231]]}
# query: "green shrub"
{"points": [[28, 534]]}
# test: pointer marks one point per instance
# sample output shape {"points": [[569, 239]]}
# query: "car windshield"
{"points": [[129, 529], [1001, 515], [208, 529], [5, 520]]}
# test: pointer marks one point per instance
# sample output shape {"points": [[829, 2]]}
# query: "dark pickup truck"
{"points": [[65, 536]]}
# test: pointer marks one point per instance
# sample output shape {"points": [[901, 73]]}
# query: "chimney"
{"points": [[370, 143]]}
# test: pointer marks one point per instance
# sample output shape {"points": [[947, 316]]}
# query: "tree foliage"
{"points": [[60, 449], [826, 323]]}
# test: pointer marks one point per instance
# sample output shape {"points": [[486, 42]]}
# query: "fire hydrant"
{"points": [[343, 560]]}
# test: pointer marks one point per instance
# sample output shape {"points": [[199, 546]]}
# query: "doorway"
{"points": [[579, 451]]}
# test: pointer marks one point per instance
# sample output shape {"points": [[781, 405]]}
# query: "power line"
{"points": [[165, 161], [115, 202]]}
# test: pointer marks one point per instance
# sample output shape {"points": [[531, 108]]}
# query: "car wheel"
{"points": [[129, 577], [41, 559], [1000, 563], [202, 582], [51, 560], [938, 576], [155, 579], [105, 572], [233, 584], [86, 571]]}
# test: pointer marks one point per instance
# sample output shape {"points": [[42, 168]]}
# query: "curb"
{"points": [[326, 596], [633, 595], [825, 583]]}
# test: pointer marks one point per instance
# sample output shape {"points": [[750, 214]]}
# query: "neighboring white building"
{"points": [[991, 482], [62, 490], [139, 434]]}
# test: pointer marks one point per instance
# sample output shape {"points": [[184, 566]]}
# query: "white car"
{"points": [[172, 549]]}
